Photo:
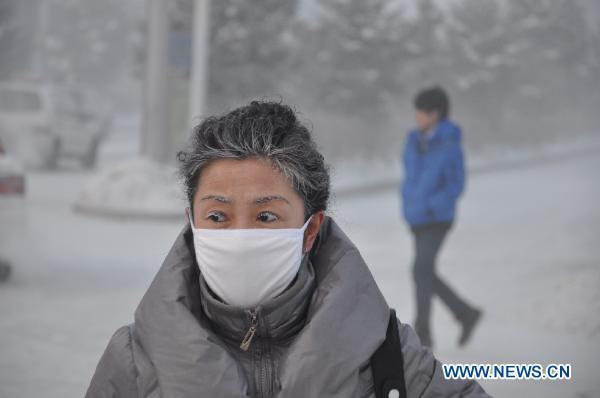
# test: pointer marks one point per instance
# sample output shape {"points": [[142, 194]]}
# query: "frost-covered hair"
{"points": [[261, 129]]}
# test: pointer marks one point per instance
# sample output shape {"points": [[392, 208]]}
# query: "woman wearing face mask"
{"points": [[262, 294]]}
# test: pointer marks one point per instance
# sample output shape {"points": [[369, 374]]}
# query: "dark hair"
{"points": [[433, 99], [263, 129]]}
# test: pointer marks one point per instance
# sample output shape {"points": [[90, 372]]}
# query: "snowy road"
{"points": [[526, 249]]}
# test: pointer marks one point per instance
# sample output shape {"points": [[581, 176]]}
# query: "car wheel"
{"points": [[88, 160], [52, 161]]}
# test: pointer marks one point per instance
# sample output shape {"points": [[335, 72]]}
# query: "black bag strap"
{"points": [[387, 364]]}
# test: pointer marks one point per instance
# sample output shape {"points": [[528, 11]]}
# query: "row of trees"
{"points": [[518, 71], [521, 70], [86, 43]]}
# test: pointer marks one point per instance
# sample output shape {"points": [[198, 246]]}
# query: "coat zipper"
{"points": [[245, 345]]}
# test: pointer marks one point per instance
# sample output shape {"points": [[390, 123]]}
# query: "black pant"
{"points": [[428, 241]]}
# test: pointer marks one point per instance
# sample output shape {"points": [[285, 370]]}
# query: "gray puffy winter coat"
{"points": [[314, 340]]}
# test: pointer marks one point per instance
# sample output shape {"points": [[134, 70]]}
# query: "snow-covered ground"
{"points": [[525, 249]]}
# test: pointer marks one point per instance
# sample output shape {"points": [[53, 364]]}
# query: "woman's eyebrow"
{"points": [[218, 198], [266, 199]]}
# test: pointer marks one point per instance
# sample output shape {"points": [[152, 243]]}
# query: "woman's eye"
{"points": [[267, 216], [216, 217]]}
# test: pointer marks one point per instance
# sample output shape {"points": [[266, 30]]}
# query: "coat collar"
{"points": [[346, 320], [278, 319]]}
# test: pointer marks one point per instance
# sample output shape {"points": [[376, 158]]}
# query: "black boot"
{"points": [[468, 325]]}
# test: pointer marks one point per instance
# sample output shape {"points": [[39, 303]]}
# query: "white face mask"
{"points": [[245, 267]]}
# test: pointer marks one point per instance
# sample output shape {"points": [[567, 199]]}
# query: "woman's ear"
{"points": [[312, 230]]}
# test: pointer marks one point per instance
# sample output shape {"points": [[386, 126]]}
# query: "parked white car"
{"points": [[40, 124]]}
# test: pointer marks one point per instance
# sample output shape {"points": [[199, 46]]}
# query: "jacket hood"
{"points": [[445, 131], [448, 130], [345, 320]]}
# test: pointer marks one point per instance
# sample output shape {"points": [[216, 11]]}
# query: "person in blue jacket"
{"points": [[434, 179]]}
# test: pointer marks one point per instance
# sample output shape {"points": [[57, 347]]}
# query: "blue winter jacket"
{"points": [[434, 175]]}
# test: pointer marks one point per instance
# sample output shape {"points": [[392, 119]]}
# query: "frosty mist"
{"points": [[519, 71]]}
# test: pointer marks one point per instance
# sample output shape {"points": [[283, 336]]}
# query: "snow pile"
{"points": [[136, 188]]}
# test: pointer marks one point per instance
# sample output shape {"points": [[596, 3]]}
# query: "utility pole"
{"points": [[155, 137], [39, 56], [200, 54], [149, 177]]}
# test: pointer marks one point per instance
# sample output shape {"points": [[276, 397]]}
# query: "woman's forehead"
{"points": [[252, 171], [248, 180]]}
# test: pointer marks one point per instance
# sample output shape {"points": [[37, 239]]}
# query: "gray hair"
{"points": [[260, 129]]}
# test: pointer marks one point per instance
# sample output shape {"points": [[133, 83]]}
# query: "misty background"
{"points": [[519, 72], [97, 206]]}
